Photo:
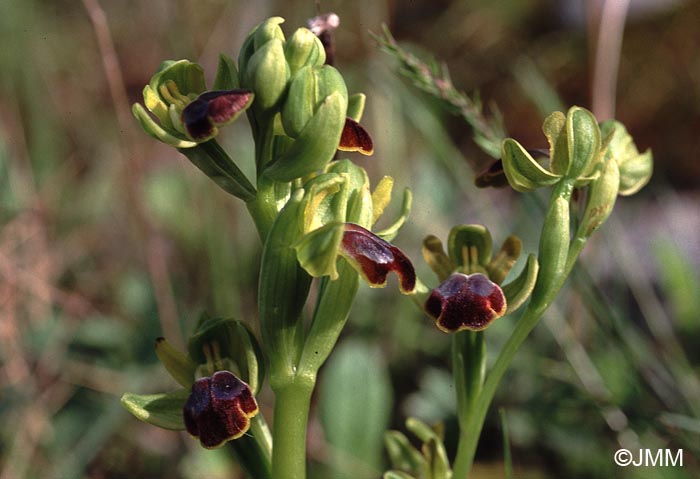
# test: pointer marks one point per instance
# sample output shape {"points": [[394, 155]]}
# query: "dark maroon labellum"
{"points": [[375, 258], [355, 138], [212, 109], [219, 409], [492, 176], [466, 302]]}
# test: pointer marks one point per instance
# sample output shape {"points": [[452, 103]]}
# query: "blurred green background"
{"points": [[109, 239]]}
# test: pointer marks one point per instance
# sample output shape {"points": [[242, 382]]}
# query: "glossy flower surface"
{"points": [[374, 258], [219, 409], [466, 302], [212, 109]]}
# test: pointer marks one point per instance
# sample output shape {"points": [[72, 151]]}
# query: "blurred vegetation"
{"points": [[109, 239]]}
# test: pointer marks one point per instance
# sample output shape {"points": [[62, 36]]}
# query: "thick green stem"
{"points": [[292, 403], [555, 262], [468, 371], [263, 207], [469, 435]]}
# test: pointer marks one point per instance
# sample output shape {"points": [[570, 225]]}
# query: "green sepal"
{"points": [[501, 264], [226, 74], [583, 141], [356, 106], [156, 131], [554, 128], [162, 410], [600, 199], [283, 288], [522, 171], [435, 257], [317, 143], [518, 290], [266, 74], [635, 168], [177, 363], [304, 49], [470, 248], [317, 252], [228, 339], [402, 454]]}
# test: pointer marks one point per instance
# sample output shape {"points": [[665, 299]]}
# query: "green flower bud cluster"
{"points": [[299, 98]]}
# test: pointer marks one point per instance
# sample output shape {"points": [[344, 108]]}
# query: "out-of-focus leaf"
{"points": [[355, 403]]}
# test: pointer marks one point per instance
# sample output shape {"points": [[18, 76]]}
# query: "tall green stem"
{"points": [[292, 403], [554, 258]]}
